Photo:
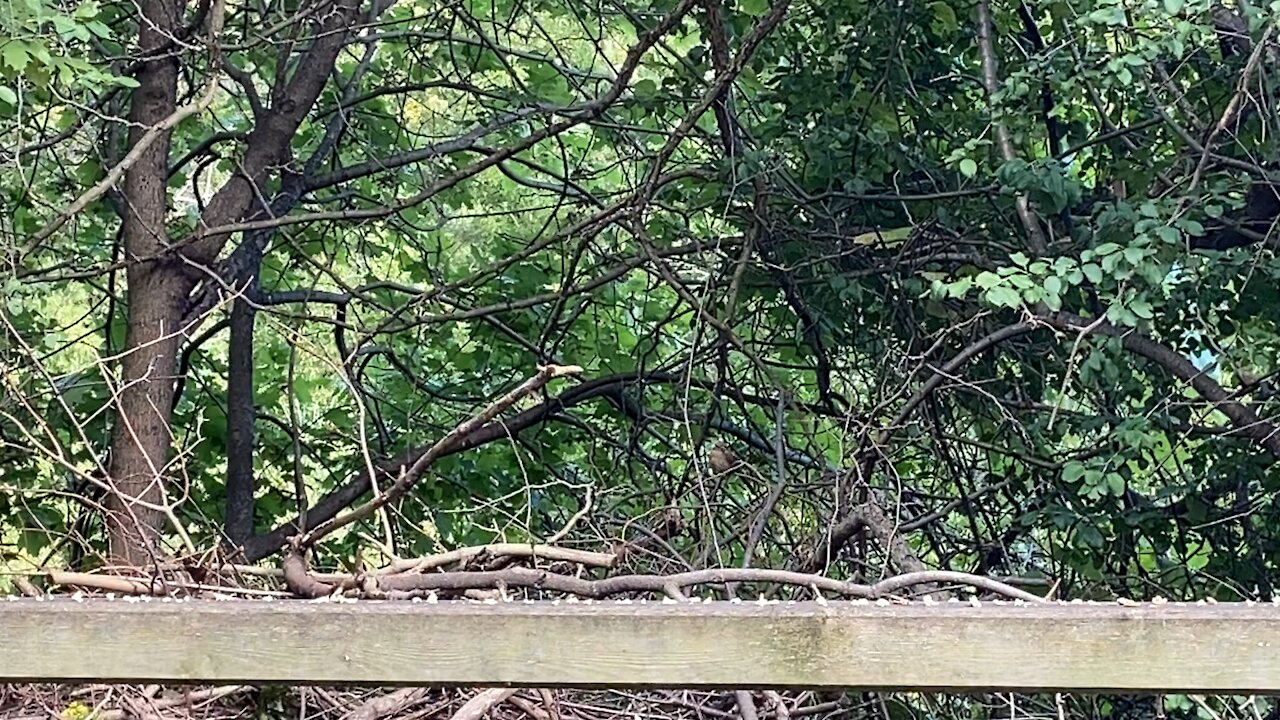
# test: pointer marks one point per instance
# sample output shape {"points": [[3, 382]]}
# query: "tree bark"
{"points": [[160, 283], [157, 289], [241, 414]]}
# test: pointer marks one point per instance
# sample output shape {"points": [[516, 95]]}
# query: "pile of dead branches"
{"points": [[501, 571]]}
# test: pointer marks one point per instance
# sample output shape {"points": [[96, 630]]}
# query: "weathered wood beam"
{"points": [[953, 647]]}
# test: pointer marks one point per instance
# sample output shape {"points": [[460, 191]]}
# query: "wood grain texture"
{"points": [[1160, 648]]}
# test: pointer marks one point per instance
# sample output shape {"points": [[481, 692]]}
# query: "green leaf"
{"points": [[1053, 285], [1108, 16], [968, 167], [8, 95], [1090, 536], [754, 8], [15, 55], [960, 288], [1073, 471], [1173, 7], [1092, 272], [1004, 296], [1022, 282], [944, 18], [645, 88]]}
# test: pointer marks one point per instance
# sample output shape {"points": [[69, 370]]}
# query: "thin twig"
{"points": [[409, 476]]}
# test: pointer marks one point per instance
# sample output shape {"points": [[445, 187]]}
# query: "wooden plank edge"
{"points": [[1224, 648]]}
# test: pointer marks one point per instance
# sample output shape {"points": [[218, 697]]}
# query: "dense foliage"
{"points": [[855, 288]]}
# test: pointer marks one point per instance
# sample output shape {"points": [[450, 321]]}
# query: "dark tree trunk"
{"points": [[240, 416], [157, 290], [140, 446], [161, 283]]}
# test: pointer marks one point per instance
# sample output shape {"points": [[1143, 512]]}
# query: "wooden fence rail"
{"points": [[953, 647]]}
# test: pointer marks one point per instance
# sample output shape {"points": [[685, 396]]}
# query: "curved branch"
{"points": [[1242, 417], [410, 475], [358, 484], [949, 369], [303, 583]]}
